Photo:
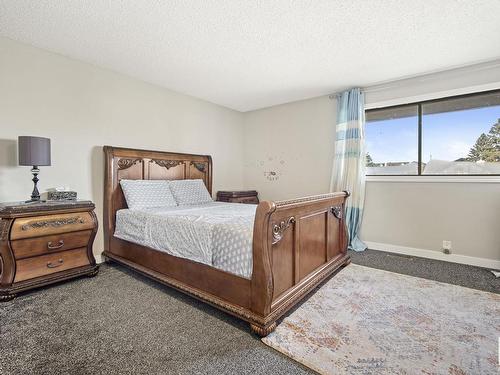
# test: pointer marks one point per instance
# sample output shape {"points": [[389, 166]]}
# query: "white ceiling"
{"points": [[246, 54]]}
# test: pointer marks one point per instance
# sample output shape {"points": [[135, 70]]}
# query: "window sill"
{"points": [[432, 179]]}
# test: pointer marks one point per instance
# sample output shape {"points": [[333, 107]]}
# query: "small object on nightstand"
{"points": [[45, 242], [247, 196], [54, 195]]}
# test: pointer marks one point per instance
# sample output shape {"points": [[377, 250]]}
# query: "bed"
{"points": [[279, 251], [217, 234]]}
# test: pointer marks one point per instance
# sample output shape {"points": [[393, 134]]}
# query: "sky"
{"points": [[445, 136]]}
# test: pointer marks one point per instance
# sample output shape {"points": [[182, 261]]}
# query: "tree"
{"points": [[494, 135], [480, 148], [487, 146], [369, 160]]}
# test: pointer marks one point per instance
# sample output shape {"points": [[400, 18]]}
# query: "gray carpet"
{"points": [[122, 323], [446, 272]]}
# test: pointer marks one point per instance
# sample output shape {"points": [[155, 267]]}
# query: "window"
{"points": [[392, 141], [452, 136]]}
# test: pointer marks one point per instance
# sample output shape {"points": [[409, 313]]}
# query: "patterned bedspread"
{"points": [[218, 234]]}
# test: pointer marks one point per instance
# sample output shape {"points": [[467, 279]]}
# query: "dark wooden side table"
{"points": [[247, 196], [43, 243]]}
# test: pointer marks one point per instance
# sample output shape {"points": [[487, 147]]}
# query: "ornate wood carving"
{"points": [[53, 223], [125, 163], [166, 163], [279, 229], [13, 210], [263, 331], [337, 211], [94, 272], [4, 229], [7, 297], [200, 166]]}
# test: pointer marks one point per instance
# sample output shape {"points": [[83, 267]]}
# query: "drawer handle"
{"points": [[51, 265], [54, 247]]}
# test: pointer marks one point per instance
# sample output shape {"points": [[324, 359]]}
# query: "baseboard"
{"points": [[431, 254], [99, 258]]}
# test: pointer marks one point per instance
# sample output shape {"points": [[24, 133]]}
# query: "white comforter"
{"points": [[218, 234]]}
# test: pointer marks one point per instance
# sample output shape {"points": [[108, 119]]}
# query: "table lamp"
{"points": [[34, 152]]}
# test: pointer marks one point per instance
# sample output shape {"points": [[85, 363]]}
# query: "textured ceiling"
{"points": [[252, 54]]}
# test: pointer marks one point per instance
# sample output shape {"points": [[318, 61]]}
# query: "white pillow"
{"points": [[147, 193], [189, 192]]}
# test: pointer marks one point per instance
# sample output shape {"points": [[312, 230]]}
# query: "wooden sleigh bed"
{"points": [[297, 243]]}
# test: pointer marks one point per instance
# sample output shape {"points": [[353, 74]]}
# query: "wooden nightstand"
{"points": [[248, 196], [43, 243]]}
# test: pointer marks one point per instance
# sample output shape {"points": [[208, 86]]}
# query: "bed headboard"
{"points": [[134, 164]]}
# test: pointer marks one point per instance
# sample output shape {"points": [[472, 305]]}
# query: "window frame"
{"points": [[419, 104]]}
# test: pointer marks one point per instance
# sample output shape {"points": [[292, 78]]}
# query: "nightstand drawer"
{"points": [[29, 247], [51, 224], [51, 263], [249, 200], [246, 196]]}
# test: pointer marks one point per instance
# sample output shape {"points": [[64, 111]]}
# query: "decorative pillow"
{"points": [[189, 192], [147, 193]]}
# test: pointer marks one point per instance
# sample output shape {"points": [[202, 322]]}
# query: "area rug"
{"points": [[369, 321]]}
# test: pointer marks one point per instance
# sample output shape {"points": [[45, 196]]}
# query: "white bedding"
{"points": [[218, 234]]}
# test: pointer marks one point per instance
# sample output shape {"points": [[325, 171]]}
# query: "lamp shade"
{"points": [[33, 151]]}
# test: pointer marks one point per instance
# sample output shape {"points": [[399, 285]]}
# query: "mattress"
{"points": [[217, 234]]}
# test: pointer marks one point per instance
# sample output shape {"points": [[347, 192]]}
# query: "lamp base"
{"points": [[35, 194], [35, 201]]}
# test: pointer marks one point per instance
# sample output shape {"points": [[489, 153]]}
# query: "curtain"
{"points": [[349, 164]]}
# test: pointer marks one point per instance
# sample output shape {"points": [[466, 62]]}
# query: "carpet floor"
{"points": [[122, 323], [446, 272]]}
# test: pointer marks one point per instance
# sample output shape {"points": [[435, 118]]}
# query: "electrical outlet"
{"points": [[447, 247]]}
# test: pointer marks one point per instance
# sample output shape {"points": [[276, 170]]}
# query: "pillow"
{"points": [[189, 192], [147, 193]]}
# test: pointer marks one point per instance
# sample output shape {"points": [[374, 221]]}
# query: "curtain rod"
{"points": [[364, 90], [430, 76], [374, 88], [337, 94]]}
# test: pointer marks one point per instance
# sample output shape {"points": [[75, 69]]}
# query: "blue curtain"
{"points": [[349, 165]]}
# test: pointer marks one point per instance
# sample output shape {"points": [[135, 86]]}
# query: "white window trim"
{"points": [[435, 179], [432, 96], [422, 98]]}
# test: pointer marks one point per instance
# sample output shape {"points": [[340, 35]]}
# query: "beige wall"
{"points": [[414, 215], [422, 215], [82, 107], [294, 140]]}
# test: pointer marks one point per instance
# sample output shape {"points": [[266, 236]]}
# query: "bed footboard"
{"points": [[296, 245]]}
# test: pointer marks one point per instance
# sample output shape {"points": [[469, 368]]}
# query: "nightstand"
{"points": [[248, 196], [45, 242]]}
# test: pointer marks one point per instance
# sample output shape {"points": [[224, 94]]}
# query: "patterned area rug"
{"points": [[369, 321]]}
